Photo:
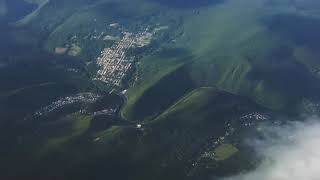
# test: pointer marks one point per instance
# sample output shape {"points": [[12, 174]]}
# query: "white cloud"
{"points": [[291, 152]]}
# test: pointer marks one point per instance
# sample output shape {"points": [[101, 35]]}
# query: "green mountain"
{"points": [[259, 53], [210, 72], [166, 147]]}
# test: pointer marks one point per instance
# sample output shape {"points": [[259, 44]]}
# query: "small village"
{"points": [[78, 98], [114, 62], [221, 148], [252, 119]]}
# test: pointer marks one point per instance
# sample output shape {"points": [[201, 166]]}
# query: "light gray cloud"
{"points": [[290, 152]]}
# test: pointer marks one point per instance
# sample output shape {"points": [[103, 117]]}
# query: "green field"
{"points": [[225, 151]]}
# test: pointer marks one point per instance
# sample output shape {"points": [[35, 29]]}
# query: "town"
{"points": [[114, 63], [78, 98]]}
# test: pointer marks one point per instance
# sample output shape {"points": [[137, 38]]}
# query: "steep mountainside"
{"points": [[259, 53]]}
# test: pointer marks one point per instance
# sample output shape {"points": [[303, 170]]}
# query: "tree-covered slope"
{"points": [[188, 96], [266, 52], [171, 146]]}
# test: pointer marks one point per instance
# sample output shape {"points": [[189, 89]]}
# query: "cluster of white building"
{"points": [[81, 97], [114, 62], [254, 116], [251, 119], [111, 111]]}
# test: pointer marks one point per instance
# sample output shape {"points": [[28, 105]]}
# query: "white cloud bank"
{"points": [[291, 152]]}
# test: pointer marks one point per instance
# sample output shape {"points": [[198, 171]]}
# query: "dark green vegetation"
{"points": [[216, 61], [166, 147]]}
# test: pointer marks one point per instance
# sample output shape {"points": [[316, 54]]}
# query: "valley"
{"points": [[150, 89]]}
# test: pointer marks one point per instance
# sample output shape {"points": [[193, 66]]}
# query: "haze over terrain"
{"points": [[159, 89]]}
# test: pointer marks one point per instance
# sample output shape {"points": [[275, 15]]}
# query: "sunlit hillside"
{"points": [[150, 89]]}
